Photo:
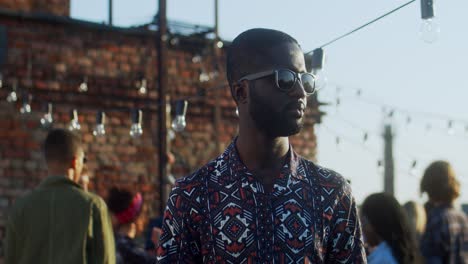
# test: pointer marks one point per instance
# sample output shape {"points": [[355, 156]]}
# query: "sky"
{"points": [[385, 65]]}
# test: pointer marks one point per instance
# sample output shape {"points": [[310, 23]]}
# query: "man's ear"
{"points": [[73, 162], [240, 91]]}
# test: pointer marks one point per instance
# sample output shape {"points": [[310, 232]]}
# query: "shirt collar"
{"points": [[57, 181], [292, 164]]}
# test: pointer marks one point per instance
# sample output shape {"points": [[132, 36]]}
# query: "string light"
{"points": [[142, 89], [171, 134], [136, 129], [12, 97], [84, 85], [179, 123], [338, 143], [316, 65], [450, 129], [430, 29], [365, 138], [100, 130], [47, 119], [203, 77], [380, 166], [196, 59], [74, 122], [26, 107], [413, 170]]}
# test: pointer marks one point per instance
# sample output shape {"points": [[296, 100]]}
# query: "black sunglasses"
{"points": [[286, 79]]}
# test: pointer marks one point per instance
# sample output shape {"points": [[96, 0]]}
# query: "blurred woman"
{"points": [[126, 208], [387, 231], [416, 215]]}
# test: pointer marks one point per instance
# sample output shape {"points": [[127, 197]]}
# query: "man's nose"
{"points": [[298, 90]]}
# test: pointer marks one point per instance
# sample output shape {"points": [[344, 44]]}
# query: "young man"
{"points": [[445, 239], [59, 222], [260, 202]]}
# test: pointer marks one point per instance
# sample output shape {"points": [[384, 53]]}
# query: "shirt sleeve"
{"points": [[179, 241], [345, 244], [101, 245]]}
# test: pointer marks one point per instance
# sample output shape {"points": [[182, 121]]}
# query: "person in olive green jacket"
{"points": [[59, 222]]}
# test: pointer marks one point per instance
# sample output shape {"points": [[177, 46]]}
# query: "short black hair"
{"points": [[251, 49], [61, 146], [119, 199]]}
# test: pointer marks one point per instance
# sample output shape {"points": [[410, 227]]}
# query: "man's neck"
{"points": [[61, 172], [259, 152]]}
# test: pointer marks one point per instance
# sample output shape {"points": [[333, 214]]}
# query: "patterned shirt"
{"points": [[446, 237], [222, 214]]}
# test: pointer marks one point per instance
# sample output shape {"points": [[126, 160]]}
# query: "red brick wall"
{"points": [[59, 55], [55, 7]]}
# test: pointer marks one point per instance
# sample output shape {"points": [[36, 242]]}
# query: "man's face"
{"points": [[275, 112]]}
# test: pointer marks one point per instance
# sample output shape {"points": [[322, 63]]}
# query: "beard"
{"points": [[270, 120]]}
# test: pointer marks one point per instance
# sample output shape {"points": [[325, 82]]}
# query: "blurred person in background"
{"points": [[417, 218], [387, 231], [445, 239], [126, 208], [59, 222]]}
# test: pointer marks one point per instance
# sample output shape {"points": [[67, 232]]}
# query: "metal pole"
{"points": [[389, 174], [162, 102], [216, 29], [110, 12]]}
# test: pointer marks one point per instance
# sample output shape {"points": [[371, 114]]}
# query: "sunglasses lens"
{"points": [[286, 79], [308, 82]]}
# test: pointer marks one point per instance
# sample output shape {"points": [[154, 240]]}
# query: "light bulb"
{"points": [[380, 167], [429, 30], [12, 97], [219, 44], [413, 169], [83, 86], [365, 138], [338, 143], [142, 89], [26, 107], [321, 79], [196, 59], [237, 111], [203, 77], [136, 130], [170, 134], [100, 130], [179, 124], [450, 130], [74, 123], [47, 119]]}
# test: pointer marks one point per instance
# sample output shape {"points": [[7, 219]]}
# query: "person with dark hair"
{"points": [[126, 208], [59, 222], [260, 202], [387, 231], [445, 239]]}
